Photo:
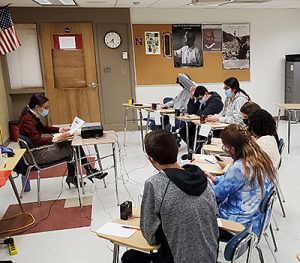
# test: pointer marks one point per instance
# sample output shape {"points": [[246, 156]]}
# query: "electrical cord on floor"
{"points": [[50, 208]]}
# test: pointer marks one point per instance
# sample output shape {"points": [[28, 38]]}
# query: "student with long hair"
{"points": [[235, 99], [32, 127], [262, 126], [247, 109], [250, 177]]}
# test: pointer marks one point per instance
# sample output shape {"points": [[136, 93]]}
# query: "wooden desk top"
{"points": [[213, 125], [11, 162], [212, 168], [144, 106], [137, 241], [161, 111], [289, 106], [213, 148], [109, 137], [190, 117]]}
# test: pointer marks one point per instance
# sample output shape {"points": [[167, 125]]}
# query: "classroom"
{"points": [[149, 131]]}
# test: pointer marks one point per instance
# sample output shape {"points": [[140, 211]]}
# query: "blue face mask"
{"points": [[202, 101], [44, 112], [228, 93]]}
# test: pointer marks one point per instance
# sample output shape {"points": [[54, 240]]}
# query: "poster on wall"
{"points": [[187, 46], [212, 38], [152, 41], [236, 46]]}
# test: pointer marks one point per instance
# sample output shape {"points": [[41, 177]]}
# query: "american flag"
{"points": [[8, 37]]}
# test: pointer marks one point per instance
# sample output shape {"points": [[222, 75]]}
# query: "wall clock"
{"points": [[112, 39]]}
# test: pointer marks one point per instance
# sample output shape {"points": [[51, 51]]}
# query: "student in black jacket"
{"points": [[201, 103]]}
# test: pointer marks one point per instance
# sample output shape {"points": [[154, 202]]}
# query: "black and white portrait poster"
{"points": [[187, 45], [212, 38], [236, 46], [152, 40]]}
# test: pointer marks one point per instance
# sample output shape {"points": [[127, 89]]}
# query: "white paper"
{"points": [[117, 230], [157, 118], [219, 221], [172, 121], [67, 42], [76, 125], [208, 158], [204, 130]]}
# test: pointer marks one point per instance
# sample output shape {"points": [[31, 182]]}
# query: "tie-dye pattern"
{"points": [[238, 198]]}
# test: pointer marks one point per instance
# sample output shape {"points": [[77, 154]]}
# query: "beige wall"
{"points": [[3, 108]]}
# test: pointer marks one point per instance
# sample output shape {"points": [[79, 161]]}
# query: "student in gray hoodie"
{"points": [[178, 211]]}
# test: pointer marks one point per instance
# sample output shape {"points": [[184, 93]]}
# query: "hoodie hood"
{"points": [[240, 95], [185, 82], [214, 96], [190, 179]]}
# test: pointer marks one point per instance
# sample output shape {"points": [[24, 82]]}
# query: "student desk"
{"points": [[10, 164], [109, 137], [289, 108], [138, 242], [213, 125], [187, 118], [161, 112], [212, 168], [140, 120]]}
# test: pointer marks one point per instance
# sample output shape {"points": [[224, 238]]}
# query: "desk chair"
{"points": [[239, 244], [266, 207], [29, 159], [281, 198]]}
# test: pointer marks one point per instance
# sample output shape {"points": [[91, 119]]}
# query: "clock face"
{"points": [[112, 40]]}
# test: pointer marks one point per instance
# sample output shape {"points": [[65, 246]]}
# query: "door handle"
{"points": [[92, 85]]}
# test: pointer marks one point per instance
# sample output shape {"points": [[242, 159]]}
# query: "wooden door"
{"points": [[116, 82], [70, 72]]}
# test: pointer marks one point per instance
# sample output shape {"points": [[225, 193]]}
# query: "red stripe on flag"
{"points": [[6, 42], [9, 39]]}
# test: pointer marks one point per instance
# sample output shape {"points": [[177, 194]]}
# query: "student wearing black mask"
{"points": [[247, 109]]}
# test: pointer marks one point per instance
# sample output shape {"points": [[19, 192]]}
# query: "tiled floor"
{"points": [[82, 244]]}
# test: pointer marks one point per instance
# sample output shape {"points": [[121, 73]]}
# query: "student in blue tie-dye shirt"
{"points": [[240, 190]]}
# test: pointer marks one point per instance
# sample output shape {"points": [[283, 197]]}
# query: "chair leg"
{"points": [[104, 182], [260, 254], [281, 204], [273, 238], [26, 180], [38, 188], [275, 222], [272, 252], [280, 192]]}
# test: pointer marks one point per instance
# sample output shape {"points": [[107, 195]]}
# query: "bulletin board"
{"points": [[157, 69]]}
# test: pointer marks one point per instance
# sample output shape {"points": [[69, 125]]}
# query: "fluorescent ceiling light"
{"points": [[56, 2], [67, 2], [42, 2]]}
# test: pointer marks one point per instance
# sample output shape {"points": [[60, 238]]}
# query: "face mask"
{"points": [[44, 112], [246, 121], [202, 101], [228, 93]]}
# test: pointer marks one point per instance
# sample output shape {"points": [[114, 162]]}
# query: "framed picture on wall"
{"points": [[152, 43], [187, 46], [212, 38], [236, 46]]}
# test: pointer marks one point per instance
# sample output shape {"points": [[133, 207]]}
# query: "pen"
{"points": [[209, 161], [130, 227]]}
